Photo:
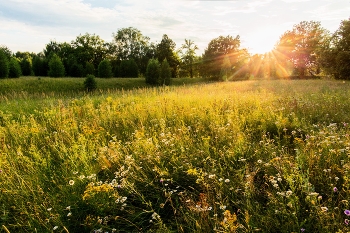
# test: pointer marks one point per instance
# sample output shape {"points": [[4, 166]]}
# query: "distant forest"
{"points": [[307, 50]]}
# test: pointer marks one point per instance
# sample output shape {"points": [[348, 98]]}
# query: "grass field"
{"points": [[252, 156]]}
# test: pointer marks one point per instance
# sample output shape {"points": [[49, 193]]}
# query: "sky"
{"points": [[28, 25]]}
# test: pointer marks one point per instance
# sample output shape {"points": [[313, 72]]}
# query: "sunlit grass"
{"points": [[268, 156]]}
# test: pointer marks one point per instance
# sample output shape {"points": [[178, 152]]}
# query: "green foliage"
{"points": [[89, 68], [166, 50], [14, 68], [90, 83], [26, 66], [76, 70], [56, 67], [105, 69], [4, 65], [218, 50], [302, 46], [153, 72], [165, 73], [128, 69], [188, 51], [40, 66]]}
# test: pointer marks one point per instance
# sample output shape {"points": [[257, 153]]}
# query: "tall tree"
{"points": [[302, 45], [129, 43], [218, 49], [336, 57], [4, 65], [166, 50], [188, 52], [56, 67], [89, 48]]}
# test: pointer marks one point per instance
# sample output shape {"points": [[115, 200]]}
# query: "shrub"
{"points": [[105, 69], [4, 65], [152, 72], [14, 68], [165, 73], [56, 67], [90, 83]]}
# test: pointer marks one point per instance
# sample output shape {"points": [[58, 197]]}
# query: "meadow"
{"points": [[250, 156]]}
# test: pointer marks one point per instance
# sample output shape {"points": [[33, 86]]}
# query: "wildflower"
{"points": [[210, 208], [71, 182], [302, 229], [227, 181], [220, 179], [347, 212], [68, 208], [288, 193], [275, 185], [211, 176], [335, 189], [279, 179], [259, 161], [123, 199], [324, 209], [49, 209], [336, 178], [313, 194], [69, 214], [55, 228], [319, 198], [114, 230], [346, 221], [223, 207]]}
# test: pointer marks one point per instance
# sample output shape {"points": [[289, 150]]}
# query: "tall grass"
{"points": [[268, 156]]}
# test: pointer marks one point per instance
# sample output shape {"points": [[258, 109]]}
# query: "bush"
{"points": [[165, 73], [90, 83], [105, 69], [4, 65], [152, 72], [56, 67], [14, 68]]}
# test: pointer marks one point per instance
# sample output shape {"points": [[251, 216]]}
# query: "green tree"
{"points": [[336, 57], [14, 68], [301, 46], [128, 68], [166, 50], [188, 52], [4, 65], [165, 73], [152, 72], [218, 50], [105, 69], [129, 43], [56, 67], [40, 65], [89, 68], [89, 48], [6, 51], [26, 65]]}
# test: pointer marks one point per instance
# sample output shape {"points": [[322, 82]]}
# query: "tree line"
{"points": [[306, 50]]}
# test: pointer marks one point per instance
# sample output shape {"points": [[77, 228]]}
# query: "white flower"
{"points": [[324, 209], [288, 193], [259, 161], [71, 182], [220, 179], [227, 181], [211, 176], [69, 214], [55, 228], [223, 207], [68, 208], [49, 209]]}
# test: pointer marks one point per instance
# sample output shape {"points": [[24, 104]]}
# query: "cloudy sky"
{"points": [[28, 25]]}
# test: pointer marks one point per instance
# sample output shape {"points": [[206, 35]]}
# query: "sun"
{"points": [[261, 41]]}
